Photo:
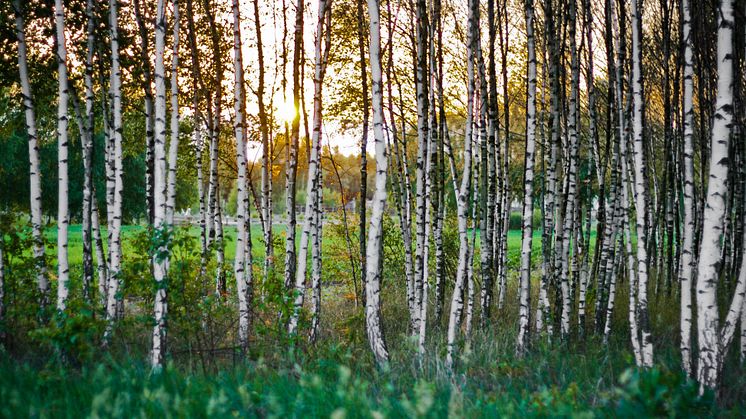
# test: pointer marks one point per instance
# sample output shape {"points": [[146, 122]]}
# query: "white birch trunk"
{"points": [[421, 22], [173, 146], [462, 193], [160, 257], [314, 166], [63, 215], [708, 319], [33, 152], [101, 265], [422, 332], [87, 152], [316, 262], [292, 164], [571, 178], [148, 93], [470, 280], [375, 232], [240, 266], [687, 247], [633, 273], [524, 320], [640, 190], [543, 312], [115, 151]]}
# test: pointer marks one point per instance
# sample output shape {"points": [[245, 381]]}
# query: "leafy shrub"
{"points": [[658, 392]]}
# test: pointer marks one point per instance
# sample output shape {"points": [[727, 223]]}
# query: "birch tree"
{"points": [[316, 232], [321, 53], [63, 215], [115, 150], [161, 231], [550, 191], [148, 91], [571, 176], [241, 267], [266, 201], [33, 151], [524, 321], [197, 141], [87, 152], [686, 270], [640, 188], [375, 232], [462, 191], [364, 96], [421, 86], [292, 164], [708, 319], [173, 145]]}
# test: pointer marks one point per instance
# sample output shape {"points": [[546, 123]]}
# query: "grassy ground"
{"points": [[75, 240], [336, 376], [330, 381]]}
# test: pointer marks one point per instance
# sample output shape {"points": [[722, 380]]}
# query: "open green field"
{"points": [[75, 243]]}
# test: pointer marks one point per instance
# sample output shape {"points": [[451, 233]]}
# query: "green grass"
{"points": [[41, 376], [75, 240], [552, 381]]}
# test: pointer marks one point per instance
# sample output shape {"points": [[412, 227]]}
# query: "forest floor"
{"points": [[336, 376]]}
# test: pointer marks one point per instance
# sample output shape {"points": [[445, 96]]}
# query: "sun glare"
{"points": [[286, 111]]}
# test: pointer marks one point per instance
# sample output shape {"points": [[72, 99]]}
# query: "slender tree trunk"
{"points": [[708, 319], [101, 265], [115, 151], [687, 247], [363, 140], [571, 177], [470, 281], [214, 113], [173, 146], [292, 165], [316, 260], [489, 181], [640, 188], [33, 152], [318, 214], [422, 332], [313, 209], [161, 230], [266, 151], [401, 171], [462, 191], [63, 215], [485, 197], [439, 204], [505, 194], [87, 152], [240, 266], [524, 321], [543, 312], [421, 65], [197, 140], [375, 232], [146, 84], [616, 265]]}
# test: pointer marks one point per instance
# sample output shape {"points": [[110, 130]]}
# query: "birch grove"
{"points": [[544, 176]]}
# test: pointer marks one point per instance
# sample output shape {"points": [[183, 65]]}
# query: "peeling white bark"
{"points": [[33, 152], [375, 232]]}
